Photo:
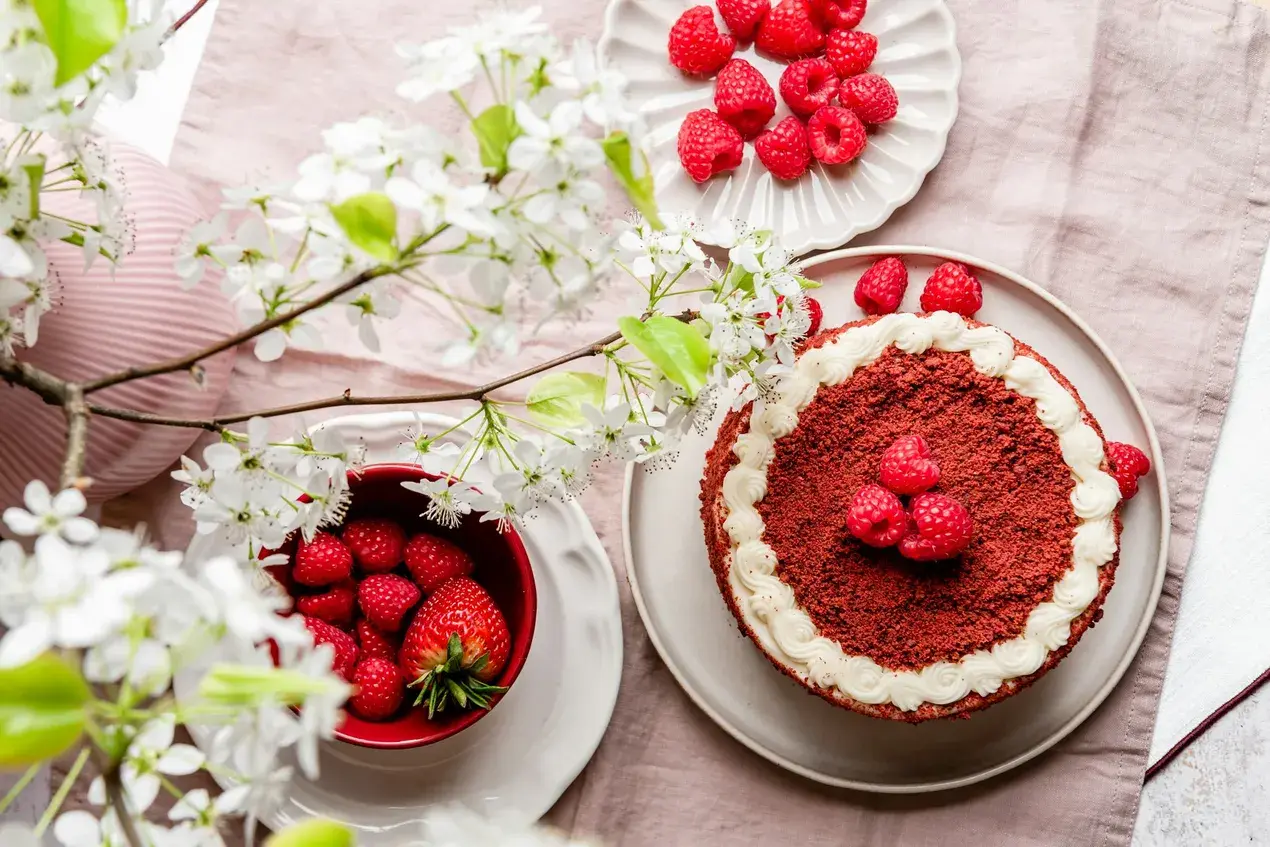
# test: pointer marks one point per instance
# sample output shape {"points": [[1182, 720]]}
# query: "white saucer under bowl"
{"points": [[517, 761], [724, 672]]}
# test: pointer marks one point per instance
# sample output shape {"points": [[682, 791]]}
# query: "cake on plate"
{"points": [[885, 630]]}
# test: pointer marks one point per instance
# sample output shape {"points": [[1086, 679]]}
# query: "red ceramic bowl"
{"points": [[502, 567]]}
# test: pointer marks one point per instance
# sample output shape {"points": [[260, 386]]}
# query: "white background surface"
{"points": [[1222, 639]]}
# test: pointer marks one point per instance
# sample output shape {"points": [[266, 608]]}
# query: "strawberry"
{"points": [[808, 85], [952, 288], [907, 467], [783, 149], [457, 642], [743, 98], [380, 689], [431, 561], [941, 528], [850, 51], [375, 543], [346, 651], [322, 561], [1127, 464], [386, 599], [876, 517], [335, 606], [789, 31], [815, 313], [881, 288], [708, 145], [835, 135], [870, 96], [839, 14], [743, 16], [696, 46], [375, 642]]}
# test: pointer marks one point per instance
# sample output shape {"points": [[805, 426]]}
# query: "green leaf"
{"points": [[315, 832], [370, 222], [557, 399], [678, 349], [34, 167], [79, 32], [41, 711], [495, 130], [620, 154]]}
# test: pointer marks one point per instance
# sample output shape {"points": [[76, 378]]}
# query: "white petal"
{"points": [[180, 759], [24, 643], [222, 456], [191, 805], [97, 792], [141, 790], [37, 496], [77, 829], [13, 259], [156, 735], [79, 530], [271, 345], [69, 502], [540, 207], [21, 522]]}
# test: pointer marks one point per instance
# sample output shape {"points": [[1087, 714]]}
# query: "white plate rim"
{"points": [[1139, 635], [590, 543], [828, 242]]}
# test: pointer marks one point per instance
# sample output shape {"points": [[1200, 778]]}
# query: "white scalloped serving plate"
{"points": [[830, 205], [734, 683], [516, 762]]}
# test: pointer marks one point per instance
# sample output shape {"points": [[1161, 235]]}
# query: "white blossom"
{"points": [[554, 139], [46, 514]]}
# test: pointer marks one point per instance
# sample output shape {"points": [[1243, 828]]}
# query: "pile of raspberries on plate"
{"points": [[826, 85]]}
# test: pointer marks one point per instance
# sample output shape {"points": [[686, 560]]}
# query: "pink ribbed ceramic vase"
{"points": [[106, 321]]}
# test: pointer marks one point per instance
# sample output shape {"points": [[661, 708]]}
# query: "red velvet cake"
{"points": [[864, 627]]}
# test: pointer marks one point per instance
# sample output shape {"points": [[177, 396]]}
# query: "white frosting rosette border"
{"points": [[768, 605]]}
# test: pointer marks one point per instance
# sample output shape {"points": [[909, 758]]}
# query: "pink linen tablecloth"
{"points": [[1112, 151]]}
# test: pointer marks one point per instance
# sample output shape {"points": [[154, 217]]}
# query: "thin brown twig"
{"points": [[184, 19], [77, 415], [114, 795]]}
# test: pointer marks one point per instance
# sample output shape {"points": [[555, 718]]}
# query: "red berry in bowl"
{"points": [[907, 466], [835, 135], [386, 599], [381, 687], [322, 561], [708, 145], [346, 651], [744, 16], [952, 288], [877, 517], [1128, 463], [942, 528], [790, 32], [881, 289], [839, 14], [870, 96], [376, 642], [457, 643], [432, 561], [816, 313], [783, 149], [808, 85], [335, 606], [375, 543], [743, 98], [696, 46], [850, 51]]}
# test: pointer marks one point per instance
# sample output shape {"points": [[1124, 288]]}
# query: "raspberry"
{"points": [[708, 145], [808, 85], [346, 651], [433, 561], [907, 467], [850, 51], [952, 288], [870, 96], [816, 313], [375, 642], [876, 517], [381, 686], [789, 31], [375, 543], [783, 149], [941, 528], [743, 98], [322, 561], [881, 289], [386, 599], [743, 16], [1127, 464], [835, 135], [839, 14], [696, 46], [335, 606]]}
